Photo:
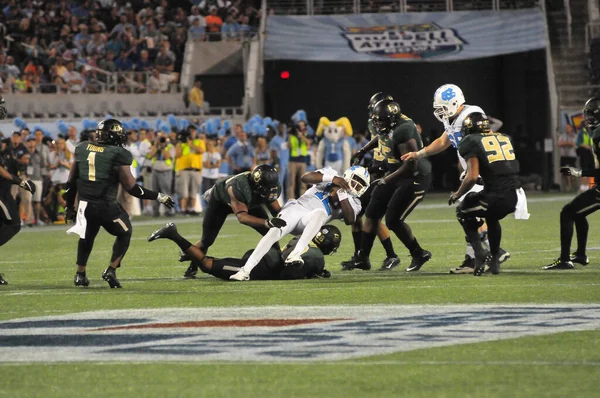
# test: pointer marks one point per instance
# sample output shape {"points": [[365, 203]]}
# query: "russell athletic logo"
{"points": [[417, 41], [276, 334]]}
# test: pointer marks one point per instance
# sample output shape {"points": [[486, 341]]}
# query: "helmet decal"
{"points": [[448, 94]]}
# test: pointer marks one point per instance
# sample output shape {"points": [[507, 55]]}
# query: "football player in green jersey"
{"points": [[402, 188], [584, 204], [244, 195], [272, 265], [95, 176], [491, 156], [377, 169]]}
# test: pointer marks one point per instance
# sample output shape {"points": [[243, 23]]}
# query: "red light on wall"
{"points": [[285, 74]]}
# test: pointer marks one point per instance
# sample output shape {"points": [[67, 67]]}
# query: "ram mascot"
{"points": [[333, 149]]}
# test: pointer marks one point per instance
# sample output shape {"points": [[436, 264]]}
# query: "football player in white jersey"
{"points": [[330, 197], [449, 108]]}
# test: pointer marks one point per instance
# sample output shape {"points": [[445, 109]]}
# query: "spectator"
{"points": [[281, 156], [82, 39], [154, 83], [161, 155], [72, 79], [568, 154], [187, 173], [213, 25], [115, 44], [122, 26], [243, 27], [212, 163], [60, 162], [165, 64], [12, 69], [230, 28], [196, 96], [196, 31], [97, 45], [299, 145], [108, 62], [72, 140], [585, 152], [241, 155], [151, 35], [123, 63], [144, 64], [263, 154], [34, 173], [196, 16]]}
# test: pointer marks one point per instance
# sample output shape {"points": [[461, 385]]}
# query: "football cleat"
{"points": [[349, 262], [494, 265], [466, 267], [241, 276], [81, 280], [503, 255], [481, 265], [294, 261], [580, 259], [559, 264], [2, 280], [191, 271], [389, 263], [360, 263], [110, 276], [418, 261], [165, 232]]}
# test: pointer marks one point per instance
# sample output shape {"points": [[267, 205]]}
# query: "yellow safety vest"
{"points": [[168, 162], [298, 148]]}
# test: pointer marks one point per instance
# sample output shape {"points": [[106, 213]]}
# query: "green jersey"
{"points": [[242, 191], [392, 145], [498, 165], [98, 176]]}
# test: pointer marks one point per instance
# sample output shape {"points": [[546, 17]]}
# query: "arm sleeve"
{"points": [[141, 193]]}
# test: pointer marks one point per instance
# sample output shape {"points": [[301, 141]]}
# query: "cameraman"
{"points": [[160, 156], [299, 145], [187, 169]]}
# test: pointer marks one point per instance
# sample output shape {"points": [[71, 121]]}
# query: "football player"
{"points": [[98, 169], [450, 109], [10, 219], [330, 197], [401, 190], [584, 204], [243, 195], [377, 169], [491, 156], [271, 266]]}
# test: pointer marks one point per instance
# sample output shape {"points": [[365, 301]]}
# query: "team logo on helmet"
{"points": [[394, 108], [411, 41], [257, 175]]}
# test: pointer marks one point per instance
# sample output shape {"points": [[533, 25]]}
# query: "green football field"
{"points": [[545, 361]]}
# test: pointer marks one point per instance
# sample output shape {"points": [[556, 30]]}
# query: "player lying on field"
{"points": [[330, 197], [272, 265], [490, 155], [243, 195]]}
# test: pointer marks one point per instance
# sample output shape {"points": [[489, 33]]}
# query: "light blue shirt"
{"points": [[242, 155]]}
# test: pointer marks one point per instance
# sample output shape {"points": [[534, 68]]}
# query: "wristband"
{"points": [[421, 154], [342, 194], [327, 178]]}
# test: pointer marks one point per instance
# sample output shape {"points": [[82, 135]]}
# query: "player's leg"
{"points": [[405, 199], [116, 222], [9, 217], [222, 268], [292, 213], [85, 245], [469, 214], [312, 221], [580, 207], [391, 258]]}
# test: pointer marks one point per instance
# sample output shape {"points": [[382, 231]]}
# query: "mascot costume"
{"points": [[334, 150]]}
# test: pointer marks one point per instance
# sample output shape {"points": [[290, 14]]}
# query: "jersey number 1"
{"points": [[92, 166], [498, 148]]}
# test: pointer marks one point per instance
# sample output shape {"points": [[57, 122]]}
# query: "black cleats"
{"points": [[348, 263], [165, 232], [389, 263], [480, 265], [495, 264], [81, 280], [466, 267], [110, 276], [360, 263], [2, 280], [418, 261], [559, 264], [580, 259], [191, 272]]}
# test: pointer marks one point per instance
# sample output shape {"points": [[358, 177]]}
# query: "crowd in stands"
{"points": [[67, 45]]}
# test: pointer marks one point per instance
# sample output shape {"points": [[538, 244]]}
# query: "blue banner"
{"points": [[430, 37]]}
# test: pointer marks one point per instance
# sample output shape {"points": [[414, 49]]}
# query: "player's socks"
{"points": [[582, 227], [389, 248], [414, 248], [366, 243], [357, 236]]}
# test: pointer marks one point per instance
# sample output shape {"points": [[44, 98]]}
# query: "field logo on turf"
{"points": [[413, 41], [273, 334]]}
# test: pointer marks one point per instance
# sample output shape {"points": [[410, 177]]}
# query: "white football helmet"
{"points": [[446, 101], [359, 179]]}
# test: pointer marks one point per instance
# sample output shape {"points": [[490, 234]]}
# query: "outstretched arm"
{"points": [[469, 181], [314, 177], [128, 182], [440, 144]]}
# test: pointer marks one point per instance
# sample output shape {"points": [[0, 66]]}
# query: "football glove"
{"points": [[379, 181], [276, 222], [28, 185], [452, 199], [570, 171], [357, 157], [3, 110], [166, 200]]}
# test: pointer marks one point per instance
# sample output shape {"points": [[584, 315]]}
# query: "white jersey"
{"points": [[317, 197], [454, 130]]}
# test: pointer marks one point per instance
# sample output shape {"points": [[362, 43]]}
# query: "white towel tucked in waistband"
{"points": [[80, 223]]}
